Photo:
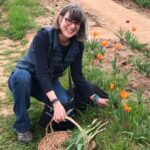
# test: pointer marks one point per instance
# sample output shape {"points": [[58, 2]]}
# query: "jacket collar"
{"points": [[73, 46]]}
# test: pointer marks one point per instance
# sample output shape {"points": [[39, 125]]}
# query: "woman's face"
{"points": [[69, 28]]}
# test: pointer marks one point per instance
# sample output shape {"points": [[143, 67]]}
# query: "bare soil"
{"points": [[105, 16], [129, 4]]}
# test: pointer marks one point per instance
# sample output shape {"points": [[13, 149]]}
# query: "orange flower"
{"points": [[95, 34], [127, 108], [104, 43], [124, 94], [99, 56], [117, 46], [111, 86], [133, 28]]}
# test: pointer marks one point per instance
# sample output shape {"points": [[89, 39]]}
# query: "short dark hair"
{"points": [[77, 14]]}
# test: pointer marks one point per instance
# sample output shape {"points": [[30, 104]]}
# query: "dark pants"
{"points": [[23, 85]]}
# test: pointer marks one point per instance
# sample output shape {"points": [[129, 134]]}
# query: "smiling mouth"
{"points": [[69, 31]]}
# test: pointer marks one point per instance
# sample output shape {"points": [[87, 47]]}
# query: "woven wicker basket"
{"points": [[54, 140]]}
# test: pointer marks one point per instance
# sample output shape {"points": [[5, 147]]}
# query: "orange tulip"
{"points": [[111, 86], [124, 94], [127, 108], [104, 43], [99, 56], [95, 34], [133, 28], [117, 46]]}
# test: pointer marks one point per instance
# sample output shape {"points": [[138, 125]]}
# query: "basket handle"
{"points": [[85, 138]]}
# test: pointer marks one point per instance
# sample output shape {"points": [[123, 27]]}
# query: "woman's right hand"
{"points": [[59, 112]]}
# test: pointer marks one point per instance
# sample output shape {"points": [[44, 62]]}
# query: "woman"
{"points": [[37, 73]]}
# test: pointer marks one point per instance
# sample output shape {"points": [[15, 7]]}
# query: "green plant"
{"points": [[120, 34], [130, 39], [2, 31], [142, 66], [138, 120], [1, 2], [76, 141], [93, 48], [144, 3], [24, 42], [113, 63], [147, 53]]}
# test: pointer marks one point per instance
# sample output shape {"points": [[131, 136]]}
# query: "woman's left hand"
{"points": [[102, 102]]}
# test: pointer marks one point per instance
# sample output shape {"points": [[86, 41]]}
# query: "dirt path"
{"points": [[113, 16]]}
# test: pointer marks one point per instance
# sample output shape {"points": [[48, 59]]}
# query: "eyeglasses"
{"points": [[70, 22]]}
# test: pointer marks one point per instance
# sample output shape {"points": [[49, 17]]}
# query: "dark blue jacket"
{"points": [[59, 63], [33, 60]]}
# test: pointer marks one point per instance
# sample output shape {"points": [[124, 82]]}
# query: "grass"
{"points": [[24, 42], [2, 31], [126, 130], [8, 138], [6, 52], [144, 3], [19, 18], [18, 22], [123, 130]]}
